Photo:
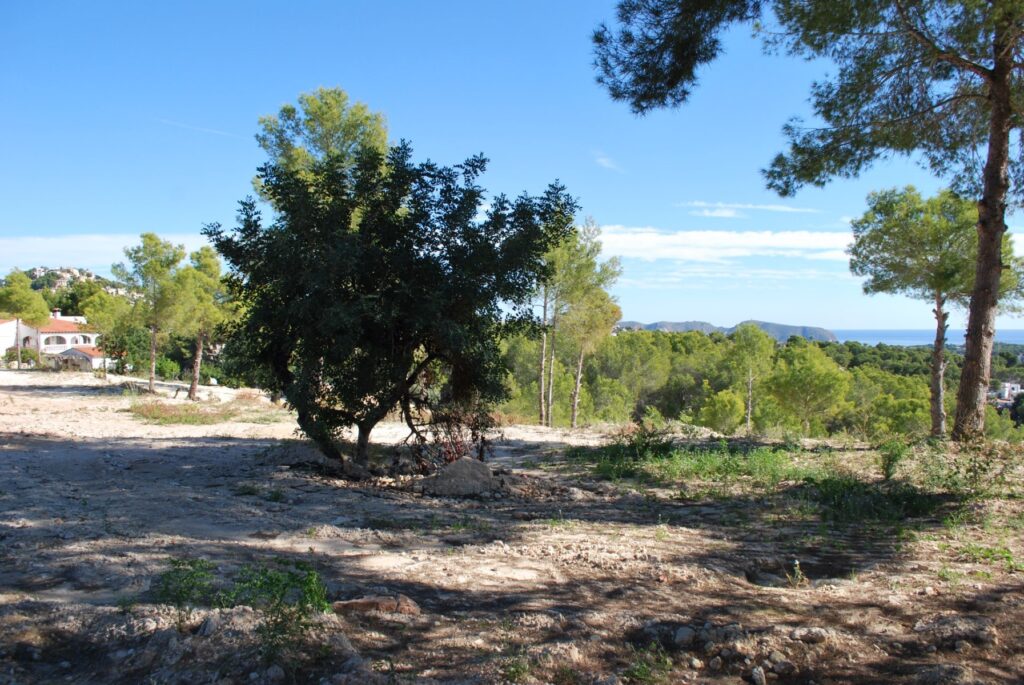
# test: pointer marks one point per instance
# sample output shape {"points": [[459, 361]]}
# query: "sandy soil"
{"points": [[564, 580]]}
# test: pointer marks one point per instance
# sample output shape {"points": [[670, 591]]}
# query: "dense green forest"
{"points": [[800, 388]]}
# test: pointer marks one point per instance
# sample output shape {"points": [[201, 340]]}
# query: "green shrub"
{"points": [[167, 369], [723, 412], [289, 594], [187, 584], [28, 356], [890, 454]]}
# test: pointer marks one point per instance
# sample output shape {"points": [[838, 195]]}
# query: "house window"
{"points": [[85, 340], [55, 340]]}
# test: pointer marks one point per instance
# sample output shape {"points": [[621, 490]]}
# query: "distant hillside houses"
{"points": [[43, 277], [64, 342]]}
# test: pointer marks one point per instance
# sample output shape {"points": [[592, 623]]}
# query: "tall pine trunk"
{"points": [[551, 365], [938, 394], [576, 389], [152, 359], [197, 362], [543, 357], [750, 396], [972, 394]]}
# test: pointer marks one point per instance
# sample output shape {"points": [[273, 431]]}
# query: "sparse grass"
{"points": [[951, 576], [558, 521], [247, 490], [193, 414], [243, 409], [656, 460], [648, 665], [998, 554], [847, 499], [516, 668]]}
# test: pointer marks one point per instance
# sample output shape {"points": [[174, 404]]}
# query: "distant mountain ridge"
{"points": [[779, 331]]}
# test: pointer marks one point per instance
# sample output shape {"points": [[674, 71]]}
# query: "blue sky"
{"points": [[130, 117]]}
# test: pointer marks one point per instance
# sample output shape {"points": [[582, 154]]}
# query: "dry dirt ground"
{"points": [[563, 579]]}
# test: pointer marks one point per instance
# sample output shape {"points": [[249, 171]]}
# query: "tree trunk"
{"points": [[972, 394], [197, 361], [362, 456], [576, 389], [17, 334], [750, 396], [152, 359], [939, 369], [543, 355], [551, 365]]}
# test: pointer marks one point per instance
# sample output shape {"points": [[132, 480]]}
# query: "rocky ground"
{"points": [[549, 576]]}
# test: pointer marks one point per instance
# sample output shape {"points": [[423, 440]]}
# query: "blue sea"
{"points": [[921, 337]]}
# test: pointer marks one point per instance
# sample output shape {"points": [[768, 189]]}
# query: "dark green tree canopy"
{"points": [[913, 76], [372, 273]]}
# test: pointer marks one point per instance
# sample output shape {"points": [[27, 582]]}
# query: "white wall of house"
{"points": [[9, 331], [55, 343]]}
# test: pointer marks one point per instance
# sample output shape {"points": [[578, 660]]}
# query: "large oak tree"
{"points": [[936, 79]]}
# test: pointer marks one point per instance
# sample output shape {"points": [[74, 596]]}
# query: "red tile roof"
{"points": [[62, 326], [87, 350]]}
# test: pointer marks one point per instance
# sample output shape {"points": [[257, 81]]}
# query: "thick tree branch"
{"points": [[940, 53]]}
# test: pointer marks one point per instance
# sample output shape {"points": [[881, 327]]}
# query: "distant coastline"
{"points": [[909, 338]]}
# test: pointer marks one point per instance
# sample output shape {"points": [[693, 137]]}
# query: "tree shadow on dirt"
{"points": [[97, 519]]}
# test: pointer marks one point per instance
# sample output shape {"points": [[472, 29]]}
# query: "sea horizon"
{"points": [[915, 337]]}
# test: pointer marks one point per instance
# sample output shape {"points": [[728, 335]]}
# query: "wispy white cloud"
{"points": [[718, 213], [651, 244], [91, 251], [752, 207], [606, 162], [200, 129], [728, 277]]}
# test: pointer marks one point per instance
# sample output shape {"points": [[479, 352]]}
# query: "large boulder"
{"points": [[462, 478]]}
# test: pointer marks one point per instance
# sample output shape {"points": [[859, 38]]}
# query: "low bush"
{"points": [[288, 593], [847, 499]]}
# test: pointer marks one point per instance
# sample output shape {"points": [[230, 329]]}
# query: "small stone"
{"points": [[928, 591], [209, 626], [696, 663], [275, 674], [810, 635], [715, 664], [684, 636], [783, 667], [962, 646], [710, 647], [757, 676], [777, 656]]}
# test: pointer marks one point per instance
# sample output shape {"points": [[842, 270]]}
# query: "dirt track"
{"points": [[568, 582]]}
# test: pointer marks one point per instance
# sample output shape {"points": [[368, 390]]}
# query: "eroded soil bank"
{"points": [[561, 578]]}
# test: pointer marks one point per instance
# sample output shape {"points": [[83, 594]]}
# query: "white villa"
{"points": [[65, 340]]}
